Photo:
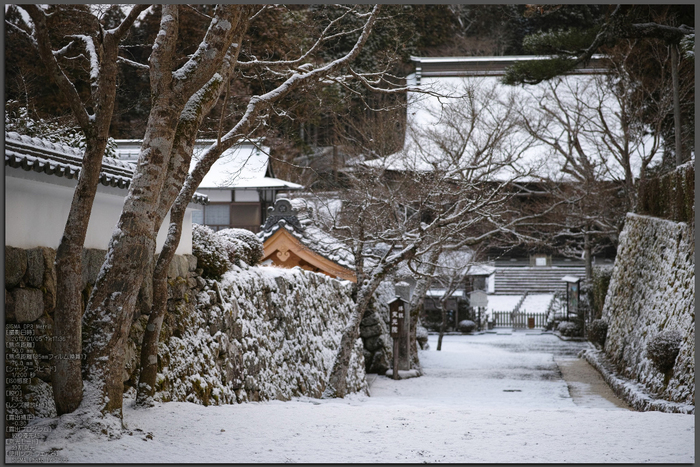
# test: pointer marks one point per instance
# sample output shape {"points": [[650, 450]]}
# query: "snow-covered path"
{"points": [[487, 398]]}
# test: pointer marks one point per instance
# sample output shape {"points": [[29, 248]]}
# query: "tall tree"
{"points": [[450, 184], [182, 186], [99, 47]]}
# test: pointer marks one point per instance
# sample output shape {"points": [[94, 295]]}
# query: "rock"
{"points": [[49, 281], [178, 288], [370, 320], [370, 331], [15, 265], [191, 262], [34, 277], [373, 343], [179, 267], [92, 263], [25, 306], [380, 363]]}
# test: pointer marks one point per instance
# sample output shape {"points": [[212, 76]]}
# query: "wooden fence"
{"points": [[519, 320]]}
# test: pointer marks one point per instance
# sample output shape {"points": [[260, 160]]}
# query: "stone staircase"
{"points": [[518, 280]]}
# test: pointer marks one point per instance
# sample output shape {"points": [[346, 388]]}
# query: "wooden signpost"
{"points": [[397, 318]]}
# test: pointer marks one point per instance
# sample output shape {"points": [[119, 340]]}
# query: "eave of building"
{"points": [[487, 66], [278, 246], [52, 159]]}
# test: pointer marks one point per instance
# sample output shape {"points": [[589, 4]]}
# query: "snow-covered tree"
{"points": [[565, 49], [450, 185], [596, 147], [98, 48], [183, 90], [454, 266]]}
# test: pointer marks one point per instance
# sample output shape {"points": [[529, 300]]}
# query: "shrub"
{"points": [[568, 329], [466, 326], [663, 349], [247, 246], [598, 331], [422, 337], [601, 282], [211, 251]]}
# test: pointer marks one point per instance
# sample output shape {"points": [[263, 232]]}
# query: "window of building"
{"points": [[217, 214]]}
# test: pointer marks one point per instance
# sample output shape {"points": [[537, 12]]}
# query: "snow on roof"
{"points": [[42, 156], [244, 166], [300, 223], [481, 270], [440, 292], [454, 122]]}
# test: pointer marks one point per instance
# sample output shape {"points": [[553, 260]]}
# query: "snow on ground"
{"points": [[484, 398], [536, 303], [501, 303]]}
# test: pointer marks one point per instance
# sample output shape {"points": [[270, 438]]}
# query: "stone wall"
{"points": [[652, 289], [259, 334], [374, 330]]}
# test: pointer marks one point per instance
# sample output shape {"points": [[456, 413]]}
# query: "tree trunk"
{"points": [[676, 104], [587, 253], [110, 310], [417, 300], [337, 386], [67, 381], [443, 324], [178, 169]]}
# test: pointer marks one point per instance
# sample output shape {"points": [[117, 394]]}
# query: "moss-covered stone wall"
{"points": [[652, 290]]}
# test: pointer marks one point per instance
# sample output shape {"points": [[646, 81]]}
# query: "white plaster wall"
{"points": [[217, 195], [36, 213]]}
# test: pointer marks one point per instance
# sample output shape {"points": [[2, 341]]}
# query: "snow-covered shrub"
{"points": [[248, 247], [466, 326], [663, 349], [212, 251], [597, 331], [422, 337], [568, 329]]}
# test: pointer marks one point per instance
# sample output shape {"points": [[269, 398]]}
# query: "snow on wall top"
{"points": [[42, 156], [296, 217], [466, 91]]}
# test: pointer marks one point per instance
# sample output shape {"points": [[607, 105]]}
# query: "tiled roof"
{"points": [[38, 155], [301, 225]]}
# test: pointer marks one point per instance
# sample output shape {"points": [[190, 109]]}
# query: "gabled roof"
{"points": [[293, 216], [41, 156], [244, 166]]}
